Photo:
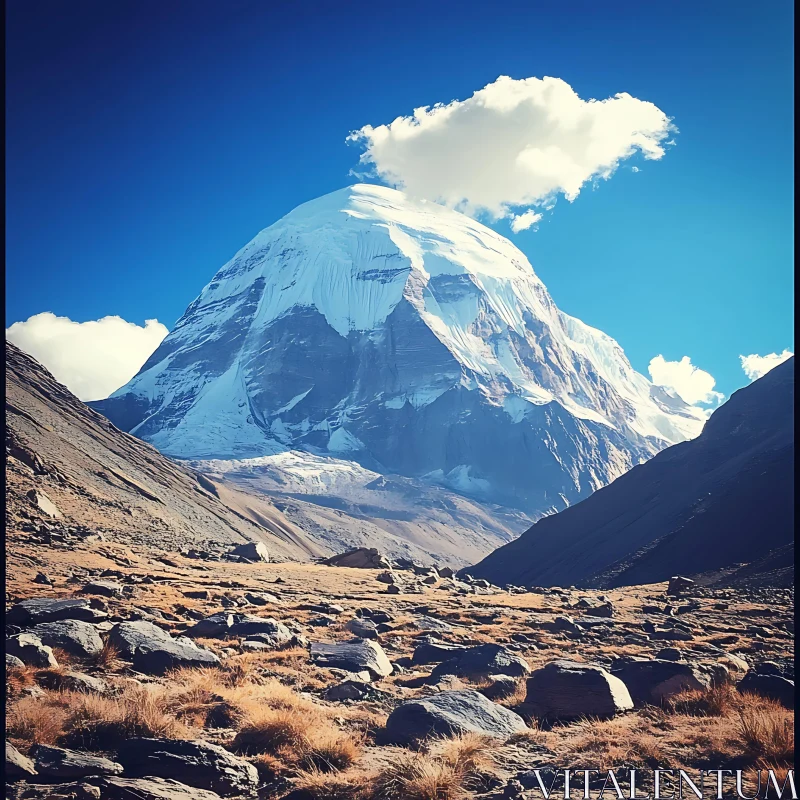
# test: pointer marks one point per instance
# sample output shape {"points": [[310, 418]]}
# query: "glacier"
{"points": [[410, 339]]}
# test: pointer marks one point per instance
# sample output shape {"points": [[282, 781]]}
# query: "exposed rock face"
{"points": [[679, 585], [484, 659], [29, 649], [399, 333], [152, 789], [59, 763], [17, 765], [154, 651], [252, 551], [360, 558], [353, 656], [697, 505], [775, 687], [564, 690], [451, 713], [45, 609], [76, 637], [44, 504], [198, 764], [651, 681]]}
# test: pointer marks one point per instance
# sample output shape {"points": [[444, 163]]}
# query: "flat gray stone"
{"points": [[153, 651], [57, 762], [484, 659], [448, 714], [45, 609], [353, 656], [252, 551], [773, 687], [72, 635], [198, 764], [151, 789], [17, 765]]}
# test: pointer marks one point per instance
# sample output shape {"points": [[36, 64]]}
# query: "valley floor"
{"points": [[273, 706]]}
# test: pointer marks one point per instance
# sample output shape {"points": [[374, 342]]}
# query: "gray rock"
{"points": [[484, 659], [72, 635], [103, 588], [363, 628], [678, 585], [360, 558], [44, 504], [446, 572], [17, 765], [153, 651], [59, 763], [43, 579], [30, 650], [353, 656], [73, 681], [42, 609], [432, 624], [349, 690], [773, 687], [451, 713], [669, 654], [198, 764], [386, 577], [12, 662], [215, 625], [568, 690], [500, 687], [651, 681], [151, 789], [252, 551], [434, 652]]}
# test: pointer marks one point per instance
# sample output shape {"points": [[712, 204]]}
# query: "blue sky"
{"points": [[148, 141]]}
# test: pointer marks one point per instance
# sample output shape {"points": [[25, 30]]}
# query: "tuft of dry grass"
{"points": [[39, 720], [108, 658], [767, 733], [338, 786], [448, 769], [717, 701], [97, 722]]}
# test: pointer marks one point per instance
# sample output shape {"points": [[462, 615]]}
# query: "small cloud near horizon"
{"points": [[92, 359], [756, 366], [693, 385], [512, 147]]}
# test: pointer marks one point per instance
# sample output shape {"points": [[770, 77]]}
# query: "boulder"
{"points": [[17, 765], [434, 652], [678, 585], [71, 635], [103, 588], [44, 504], [669, 654], [651, 681], [360, 558], [353, 656], [215, 625], [500, 687], [363, 628], [426, 623], [773, 687], [349, 690], [56, 762], [386, 577], [448, 714], [151, 789], [446, 572], [483, 659], [251, 551], [29, 649], [568, 690], [153, 651], [72, 681], [12, 662], [198, 764], [44, 609]]}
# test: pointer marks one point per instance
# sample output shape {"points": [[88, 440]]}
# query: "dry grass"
{"points": [[448, 769], [34, 720], [338, 786], [97, 722], [718, 701], [108, 658], [767, 733]]}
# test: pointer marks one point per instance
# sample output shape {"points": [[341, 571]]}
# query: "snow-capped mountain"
{"points": [[407, 337]]}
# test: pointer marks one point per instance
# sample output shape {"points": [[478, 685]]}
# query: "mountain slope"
{"points": [[102, 478], [409, 338], [717, 501]]}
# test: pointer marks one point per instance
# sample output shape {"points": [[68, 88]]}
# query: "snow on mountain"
{"points": [[406, 337]]}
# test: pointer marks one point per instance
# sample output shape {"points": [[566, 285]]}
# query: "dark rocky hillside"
{"points": [[720, 505]]}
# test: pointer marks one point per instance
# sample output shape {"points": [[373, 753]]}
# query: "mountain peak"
{"points": [[410, 337]]}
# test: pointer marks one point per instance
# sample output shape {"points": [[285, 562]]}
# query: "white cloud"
{"points": [[755, 366], [92, 359], [521, 222], [691, 384], [514, 143]]}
